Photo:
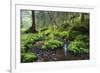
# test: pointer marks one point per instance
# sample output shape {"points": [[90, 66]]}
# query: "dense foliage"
{"points": [[52, 30], [28, 57], [51, 44]]}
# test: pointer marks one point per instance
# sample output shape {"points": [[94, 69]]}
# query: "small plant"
{"points": [[63, 34], [43, 29], [28, 39], [77, 47], [46, 32], [84, 38], [52, 44], [28, 57]]}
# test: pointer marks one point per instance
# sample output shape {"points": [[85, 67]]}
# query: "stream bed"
{"points": [[57, 55]]}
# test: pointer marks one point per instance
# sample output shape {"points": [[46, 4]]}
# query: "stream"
{"points": [[59, 54], [65, 47]]}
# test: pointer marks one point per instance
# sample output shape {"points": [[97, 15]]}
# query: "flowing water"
{"points": [[65, 47], [59, 54]]}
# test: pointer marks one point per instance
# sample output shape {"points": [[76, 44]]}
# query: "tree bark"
{"points": [[82, 17], [33, 22], [32, 28]]}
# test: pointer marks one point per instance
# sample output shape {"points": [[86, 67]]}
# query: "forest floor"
{"points": [[57, 55]]}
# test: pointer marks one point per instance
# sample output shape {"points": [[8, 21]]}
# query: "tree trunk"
{"points": [[21, 17], [32, 28], [82, 17], [33, 22]]}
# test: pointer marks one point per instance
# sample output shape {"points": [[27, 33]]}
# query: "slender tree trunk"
{"points": [[33, 22], [21, 17], [82, 17], [32, 28]]}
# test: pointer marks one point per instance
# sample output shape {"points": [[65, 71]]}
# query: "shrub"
{"points": [[51, 44], [28, 57], [73, 34], [64, 26], [84, 38], [63, 34], [28, 39], [77, 47], [44, 29], [46, 32]]}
